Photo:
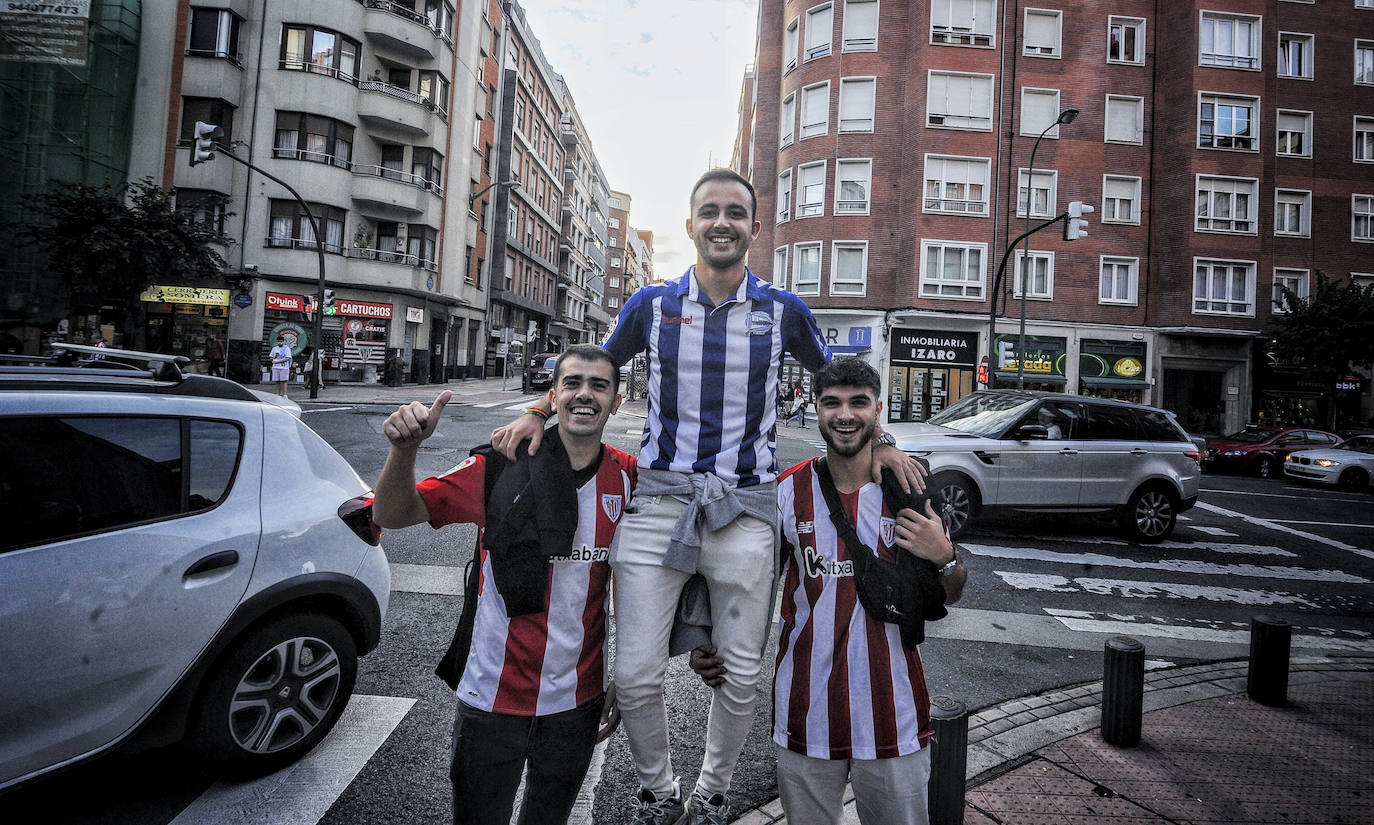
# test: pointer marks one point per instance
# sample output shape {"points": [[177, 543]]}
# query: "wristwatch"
{"points": [[953, 563], [886, 438]]}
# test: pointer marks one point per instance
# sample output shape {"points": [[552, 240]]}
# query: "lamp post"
{"points": [[1065, 117]]}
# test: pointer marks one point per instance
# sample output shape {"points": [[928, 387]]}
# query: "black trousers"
{"points": [[491, 750]]}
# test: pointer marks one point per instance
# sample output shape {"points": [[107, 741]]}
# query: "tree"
{"points": [[1329, 332], [103, 245]]}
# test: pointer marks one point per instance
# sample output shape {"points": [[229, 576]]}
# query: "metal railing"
{"points": [[381, 256], [301, 243], [399, 176]]}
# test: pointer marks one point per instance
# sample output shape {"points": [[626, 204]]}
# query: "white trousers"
{"points": [[738, 564], [886, 791]]}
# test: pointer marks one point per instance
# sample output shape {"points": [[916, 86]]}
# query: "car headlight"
{"points": [[1327, 462], [1234, 452]]}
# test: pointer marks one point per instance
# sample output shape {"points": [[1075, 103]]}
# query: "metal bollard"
{"points": [[1266, 681], [948, 760], [1123, 690]]}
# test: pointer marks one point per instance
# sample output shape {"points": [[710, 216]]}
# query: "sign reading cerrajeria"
{"points": [[934, 347], [186, 295]]}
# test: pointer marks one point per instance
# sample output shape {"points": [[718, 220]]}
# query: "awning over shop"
{"points": [[1127, 383]]}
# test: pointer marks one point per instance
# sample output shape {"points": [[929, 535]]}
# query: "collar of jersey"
{"points": [[753, 287]]}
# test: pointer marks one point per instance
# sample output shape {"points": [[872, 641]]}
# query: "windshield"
{"points": [[1250, 436], [1361, 444], [549, 362], [985, 414]]}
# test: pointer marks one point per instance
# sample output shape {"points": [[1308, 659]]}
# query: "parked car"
{"points": [[1349, 464], [1260, 450], [1051, 452], [539, 374], [181, 561]]}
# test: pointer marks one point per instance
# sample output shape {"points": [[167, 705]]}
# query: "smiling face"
{"points": [[847, 417], [584, 396], [722, 223]]}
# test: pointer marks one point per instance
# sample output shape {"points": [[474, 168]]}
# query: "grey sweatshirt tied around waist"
{"points": [[712, 503]]}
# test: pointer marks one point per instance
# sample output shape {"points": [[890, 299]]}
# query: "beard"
{"points": [[864, 435]]}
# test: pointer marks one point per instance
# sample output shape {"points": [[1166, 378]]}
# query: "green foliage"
{"points": [[105, 245], [1329, 331]]}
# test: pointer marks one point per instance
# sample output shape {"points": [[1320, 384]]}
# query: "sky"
{"points": [[657, 84]]}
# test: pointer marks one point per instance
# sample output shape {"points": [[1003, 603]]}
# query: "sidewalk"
{"points": [[1208, 754]]}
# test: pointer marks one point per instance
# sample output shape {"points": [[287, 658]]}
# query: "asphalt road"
{"points": [[1044, 592]]}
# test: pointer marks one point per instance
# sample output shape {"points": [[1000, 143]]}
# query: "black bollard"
{"points": [[1266, 681], [1123, 690], [948, 760]]}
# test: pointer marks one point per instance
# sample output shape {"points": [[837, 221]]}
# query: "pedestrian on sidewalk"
{"points": [[706, 496], [215, 352], [528, 662], [281, 364], [798, 406], [863, 571]]}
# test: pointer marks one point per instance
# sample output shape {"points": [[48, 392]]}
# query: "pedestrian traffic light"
{"points": [[1076, 226], [203, 147], [329, 308], [983, 371]]}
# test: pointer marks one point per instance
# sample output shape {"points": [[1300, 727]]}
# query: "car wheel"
{"points": [[1264, 468], [956, 500], [1354, 478], [1150, 515], [277, 693]]}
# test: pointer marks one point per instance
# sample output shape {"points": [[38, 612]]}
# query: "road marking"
{"points": [[1339, 545], [302, 793], [324, 409], [1209, 546], [1248, 493], [1171, 565], [436, 579], [1323, 638], [1211, 531], [1322, 523], [1150, 590]]}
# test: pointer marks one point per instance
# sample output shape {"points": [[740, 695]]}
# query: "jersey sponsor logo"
{"points": [[668, 320], [759, 323], [818, 565], [806, 527], [610, 505], [888, 528], [467, 462], [582, 554]]}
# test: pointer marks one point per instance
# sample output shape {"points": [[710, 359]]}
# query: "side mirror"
{"points": [[1031, 432]]}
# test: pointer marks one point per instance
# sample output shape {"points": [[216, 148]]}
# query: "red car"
{"points": [[1261, 450]]}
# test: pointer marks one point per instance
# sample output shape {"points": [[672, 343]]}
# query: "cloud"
{"points": [[645, 37]]}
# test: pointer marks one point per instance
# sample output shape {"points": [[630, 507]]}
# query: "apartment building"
{"points": [[582, 255], [618, 285], [1225, 146]]}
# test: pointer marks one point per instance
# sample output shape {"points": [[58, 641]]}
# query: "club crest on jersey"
{"points": [[888, 528], [467, 462], [759, 323], [610, 505], [818, 565]]}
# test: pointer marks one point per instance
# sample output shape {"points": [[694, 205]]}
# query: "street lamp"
{"points": [[514, 184], [1065, 117]]}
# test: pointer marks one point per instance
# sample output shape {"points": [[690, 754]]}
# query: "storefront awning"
{"points": [[1039, 378], [1127, 383]]}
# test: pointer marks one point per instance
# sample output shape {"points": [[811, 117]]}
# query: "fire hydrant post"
{"points": [[948, 760], [1267, 679], [1123, 690]]}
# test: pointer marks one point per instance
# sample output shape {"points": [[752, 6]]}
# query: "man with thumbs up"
{"points": [[533, 686]]}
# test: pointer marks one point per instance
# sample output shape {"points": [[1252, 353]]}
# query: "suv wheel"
{"points": [[1264, 468], [277, 692], [956, 500], [1150, 515]]}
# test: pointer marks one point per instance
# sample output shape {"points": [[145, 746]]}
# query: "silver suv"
{"points": [[1056, 453], [179, 561]]}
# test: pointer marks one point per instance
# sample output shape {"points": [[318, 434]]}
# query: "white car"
{"points": [[1349, 464], [181, 561]]}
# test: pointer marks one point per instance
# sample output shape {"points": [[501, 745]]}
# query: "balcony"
{"points": [[569, 174], [381, 187], [364, 253], [382, 104], [569, 136], [393, 26]]}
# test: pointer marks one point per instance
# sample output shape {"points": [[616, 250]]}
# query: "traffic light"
{"points": [[203, 148], [329, 308], [983, 371], [1076, 226]]}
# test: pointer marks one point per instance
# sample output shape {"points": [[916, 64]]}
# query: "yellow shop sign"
{"points": [[186, 295]]}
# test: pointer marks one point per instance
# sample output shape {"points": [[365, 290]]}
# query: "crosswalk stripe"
{"points": [[1339, 545], [1238, 633], [1150, 589], [1211, 531], [1184, 566], [1193, 546], [435, 579]]}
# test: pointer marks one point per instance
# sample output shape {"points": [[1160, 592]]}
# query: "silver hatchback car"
{"points": [[180, 561], [1048, 452]]}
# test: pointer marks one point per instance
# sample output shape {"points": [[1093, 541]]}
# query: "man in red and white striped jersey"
{"points": [[533, 689]]}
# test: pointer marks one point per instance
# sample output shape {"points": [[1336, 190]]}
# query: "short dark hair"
{"points": [[847, 372], [587, 352], [721, 173]]}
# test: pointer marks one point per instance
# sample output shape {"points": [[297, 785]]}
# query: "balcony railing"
{"points": [[301, 243], [399, 176], [405, 259], [409, 14], [402, 94]]}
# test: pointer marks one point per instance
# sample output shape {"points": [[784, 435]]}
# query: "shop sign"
{"points": [[415, 315], [1044, 355], [1111, 359], [363, 309], [186, 295], [1349, 384], [285, 301], [934, 347]]}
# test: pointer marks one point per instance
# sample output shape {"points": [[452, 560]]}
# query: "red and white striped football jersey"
{"points": [[844, 687], [554, 660]]}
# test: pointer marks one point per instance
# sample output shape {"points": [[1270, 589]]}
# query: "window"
{"points": [[1293, 212], [959, 101], [806, 273], [422, 244], [963, 22], [290, 227], [789, 45], [1125, 40], [1125, 119], [849, 268], [956, 184], [612, 301], [1041, 275], [1039, 111], [952, 270], [1042, 33], [853, 180], [1120, 199], [1295, 280], [785, 195], [440, 16], [1226, 204], [617, 262], [788, 119], [780, 266], [815, 110], [860, 25], [1295, 55], [204, 207], [811, 190], [1364, 62], [613, 223], [427, 167], [301, 136], [856, 104], [434, 90], [613, 282], [1294, 131], [1223, 287], [1362, 218], [214, 33], [820, 22], [1229, 41], [1364, 140], [206, 110], [1227, 122], [1118, 279], [310, 49], [1042, 193]]}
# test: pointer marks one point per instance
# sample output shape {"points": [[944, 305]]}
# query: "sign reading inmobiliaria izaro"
{"points": [[44, 32]]}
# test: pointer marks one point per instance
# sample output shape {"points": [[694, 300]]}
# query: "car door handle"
{"points": [[1068, 451], [1139, 451], [214, 561]]}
